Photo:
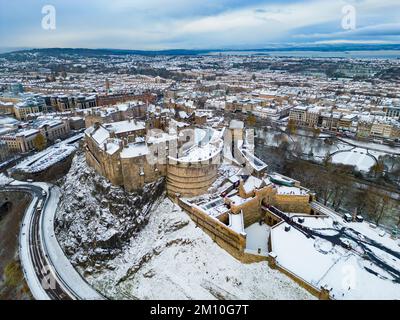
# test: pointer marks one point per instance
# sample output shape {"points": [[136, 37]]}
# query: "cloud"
{"points": [[160, 24], [344, 41], [382, 30]]}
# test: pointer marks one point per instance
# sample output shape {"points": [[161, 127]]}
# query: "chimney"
{"points": [[105, 146]]}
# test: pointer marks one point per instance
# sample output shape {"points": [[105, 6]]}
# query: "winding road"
{"points": [[49, 274]]}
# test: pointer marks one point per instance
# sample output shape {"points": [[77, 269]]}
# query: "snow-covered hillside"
{"points": [[173, 259], [95, 219]]}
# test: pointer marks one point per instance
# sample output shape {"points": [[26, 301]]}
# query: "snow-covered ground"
{"points": [[348, 272], [4, 180], [173, 259], [257, 237], [357, 157], [374, 146]]}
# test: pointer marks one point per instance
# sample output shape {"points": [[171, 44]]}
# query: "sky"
{"points": [[198, 24]]}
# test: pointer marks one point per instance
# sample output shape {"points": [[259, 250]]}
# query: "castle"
{"points": [[194, 160], [132, 153]]}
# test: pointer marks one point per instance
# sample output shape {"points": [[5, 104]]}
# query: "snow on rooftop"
{"points": [[160, 137], [183, 115], [257, 238], [208, 145], [254, 161], [251, 184], [4, 180], [100, 135], [237, 200], [111, 146], [125, 126], [285, 190], [199, 153], [27, 133], [134, 150], [236, 222], [46, 158], [236, 124]]}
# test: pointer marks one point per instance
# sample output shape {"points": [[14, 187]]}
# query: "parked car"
{"points": [[346, 244], [359, 218], [348, 217]]}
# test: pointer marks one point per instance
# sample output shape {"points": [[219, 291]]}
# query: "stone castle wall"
{"points": [[107, 165], [225, 237], [138, 171], [292, 203], [189, 180], [252, 207]]}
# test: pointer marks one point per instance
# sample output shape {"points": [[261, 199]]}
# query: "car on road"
{"points": [[39, 206], [44, 193], [348, 217]]}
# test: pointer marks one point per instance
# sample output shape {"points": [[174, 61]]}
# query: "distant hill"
{"points": [[185, 52], [107, 52]]}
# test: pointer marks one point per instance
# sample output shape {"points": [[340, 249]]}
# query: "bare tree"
{"points": [[377, 204]]}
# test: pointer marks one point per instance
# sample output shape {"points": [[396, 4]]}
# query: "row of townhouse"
{"points": [[363, 126], [378, 127], [63, 102], [262, 106]]}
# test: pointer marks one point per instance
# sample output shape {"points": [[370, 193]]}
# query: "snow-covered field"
{"points": [[173, 259], [357, 157]]}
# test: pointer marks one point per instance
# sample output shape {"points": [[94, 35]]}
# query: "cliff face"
{"points": [[95, 220], [12, 209]]}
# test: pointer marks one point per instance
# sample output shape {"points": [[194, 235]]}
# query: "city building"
{"points": [[29, 106]]}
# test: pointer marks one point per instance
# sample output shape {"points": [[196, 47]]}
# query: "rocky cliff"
{"points": [[96, 219]]}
